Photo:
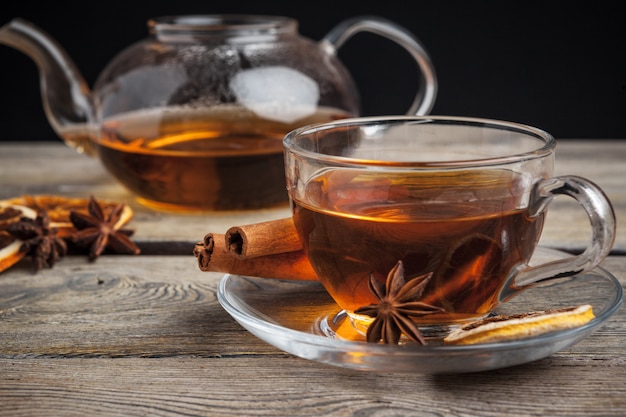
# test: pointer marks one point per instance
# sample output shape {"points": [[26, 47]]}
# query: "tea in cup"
{"points": [[458, 203]]}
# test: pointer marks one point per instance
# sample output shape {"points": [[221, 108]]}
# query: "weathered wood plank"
{"points": [[119, 306], [51, 168], [288, 386], [144, 306], [145, 335]]}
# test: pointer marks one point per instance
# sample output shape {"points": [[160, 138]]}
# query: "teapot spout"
{"points": [[66, 97]]}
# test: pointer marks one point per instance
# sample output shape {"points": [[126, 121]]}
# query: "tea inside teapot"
{"points": [[215, 158]]}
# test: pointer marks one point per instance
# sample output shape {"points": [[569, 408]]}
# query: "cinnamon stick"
{"points": [[262, 239], [214, 256]]}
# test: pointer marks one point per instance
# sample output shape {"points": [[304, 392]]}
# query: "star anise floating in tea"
{"points": [[97, 231], [398, 301], [39, 240]]}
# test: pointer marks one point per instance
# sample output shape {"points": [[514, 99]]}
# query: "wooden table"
{"points": [[145, 335]]}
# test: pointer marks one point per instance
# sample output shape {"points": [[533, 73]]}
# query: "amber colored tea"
{"points": [[216, 159], [467, 228]]}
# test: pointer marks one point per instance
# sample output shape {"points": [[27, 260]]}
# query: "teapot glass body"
{"points": [[192, 117]]}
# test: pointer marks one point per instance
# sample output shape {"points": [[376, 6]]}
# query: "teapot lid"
{"points": [[221, 24]]}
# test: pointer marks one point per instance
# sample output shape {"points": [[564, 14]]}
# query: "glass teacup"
{"points": [[458, 203]]}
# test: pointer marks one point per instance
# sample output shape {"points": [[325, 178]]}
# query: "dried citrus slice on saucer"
{"points": [[518, 326]]}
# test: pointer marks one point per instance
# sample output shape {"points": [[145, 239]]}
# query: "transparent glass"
{"points": [[192, 117], [462, 200], [317, 330]]}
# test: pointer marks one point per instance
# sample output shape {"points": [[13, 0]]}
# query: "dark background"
{"points": [[557, 65]]}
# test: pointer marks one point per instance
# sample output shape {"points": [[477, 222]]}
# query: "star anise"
{"points": [[398, 302], [97, 230], [39, 239]]}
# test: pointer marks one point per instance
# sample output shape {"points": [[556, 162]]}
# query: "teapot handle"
{"points": [[343, 31]]}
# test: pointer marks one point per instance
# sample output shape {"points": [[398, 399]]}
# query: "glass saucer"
{"points": [[300, 318]]}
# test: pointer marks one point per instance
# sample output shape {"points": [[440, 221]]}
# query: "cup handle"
{"points": [[602, 221], [427, 91]]}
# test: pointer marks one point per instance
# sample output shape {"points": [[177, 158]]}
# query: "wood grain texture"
{"points": [[35, 168], [135, 336], [287, 386], [119, 306], [145, 335]]}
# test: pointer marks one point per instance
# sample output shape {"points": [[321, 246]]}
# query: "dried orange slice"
{"points": [[518, 326], [11, 248], [58, 208]]}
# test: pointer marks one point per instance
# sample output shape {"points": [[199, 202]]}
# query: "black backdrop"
{"points": [[550, 64]]}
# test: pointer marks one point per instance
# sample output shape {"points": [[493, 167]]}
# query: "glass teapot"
{"points": [[192, 117]]}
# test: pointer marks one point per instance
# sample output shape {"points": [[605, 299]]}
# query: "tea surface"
{"points": [[215, 159], [470, 229]]}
